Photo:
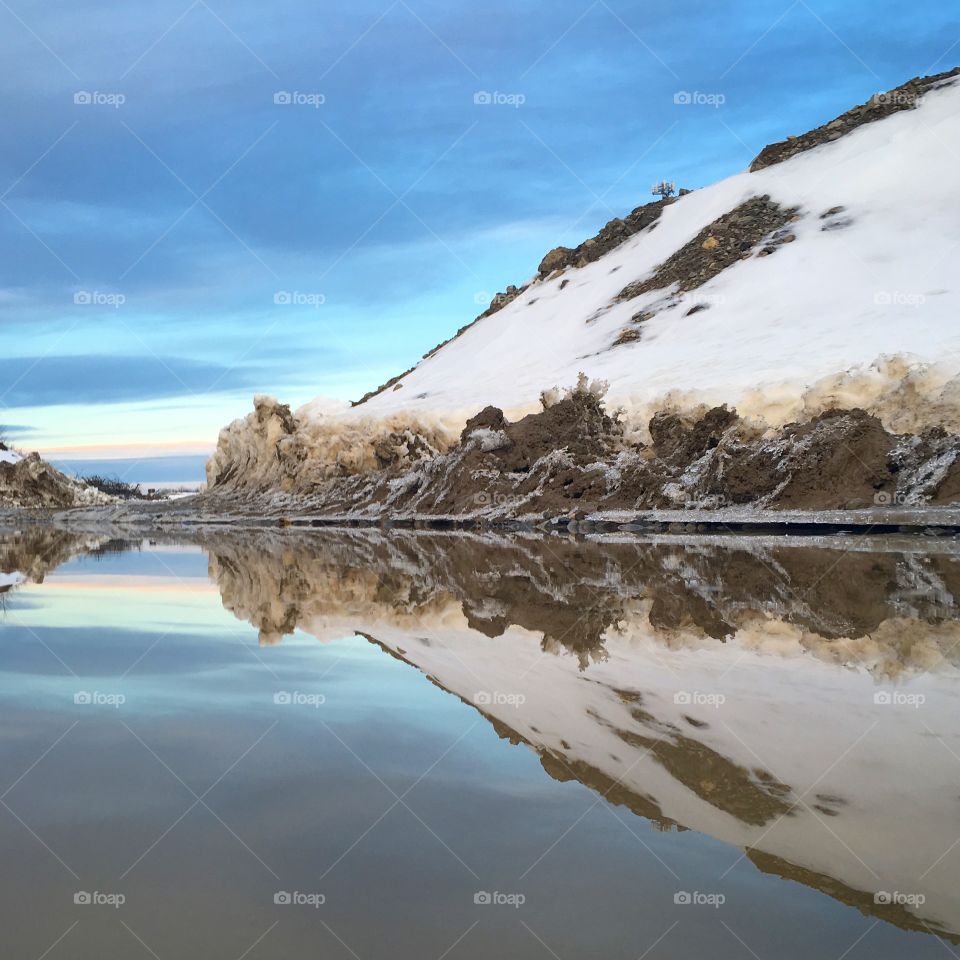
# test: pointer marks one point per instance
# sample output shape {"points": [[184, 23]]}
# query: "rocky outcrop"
{"points": [[30, 482], [905, 97], [728, 239], [609, 237]]}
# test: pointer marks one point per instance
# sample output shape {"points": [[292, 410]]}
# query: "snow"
{"points": [[8, 456], [863, 314], [8, 580], [783, 333]]}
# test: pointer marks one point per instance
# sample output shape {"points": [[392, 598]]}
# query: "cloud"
{"points": [[41, 381]]}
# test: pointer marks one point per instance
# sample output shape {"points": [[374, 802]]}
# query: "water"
{"points": [[432, 746]]}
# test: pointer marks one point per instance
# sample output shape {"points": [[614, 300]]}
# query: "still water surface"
{"points": [[438, 746]]}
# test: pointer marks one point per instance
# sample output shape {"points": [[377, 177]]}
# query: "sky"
{"points": [[204, 200]]}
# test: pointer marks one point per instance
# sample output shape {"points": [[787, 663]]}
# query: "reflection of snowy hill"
{"points": [[10, 580], [713, 689]]}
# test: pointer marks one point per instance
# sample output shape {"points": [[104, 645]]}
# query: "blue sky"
{"points": [[182, 241]]}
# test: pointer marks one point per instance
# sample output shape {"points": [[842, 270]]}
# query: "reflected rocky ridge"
{"points": [[795, 701]]}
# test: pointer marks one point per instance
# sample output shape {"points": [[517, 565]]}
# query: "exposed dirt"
{"points": [[572, 459]]}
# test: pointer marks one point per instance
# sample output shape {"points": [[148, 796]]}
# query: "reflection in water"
{"points": [[796, 702]]}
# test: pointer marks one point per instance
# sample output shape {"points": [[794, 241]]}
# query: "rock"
{"points": [[489, 418], [626, 335], [556, 259]]}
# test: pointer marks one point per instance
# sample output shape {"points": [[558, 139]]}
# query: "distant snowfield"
{"points": [[831, 303]]}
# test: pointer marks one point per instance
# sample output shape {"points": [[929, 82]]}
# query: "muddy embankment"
{"points": [[575, 458]]}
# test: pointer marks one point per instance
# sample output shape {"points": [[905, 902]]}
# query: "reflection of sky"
{"points": [[296, 801], [399, 201]]}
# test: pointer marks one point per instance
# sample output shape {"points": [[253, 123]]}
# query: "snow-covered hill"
{"points": [[823, 278], [871, 280]]}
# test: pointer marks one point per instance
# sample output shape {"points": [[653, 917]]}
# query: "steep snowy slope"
{"points": [[821, 280], [874, 279]]}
